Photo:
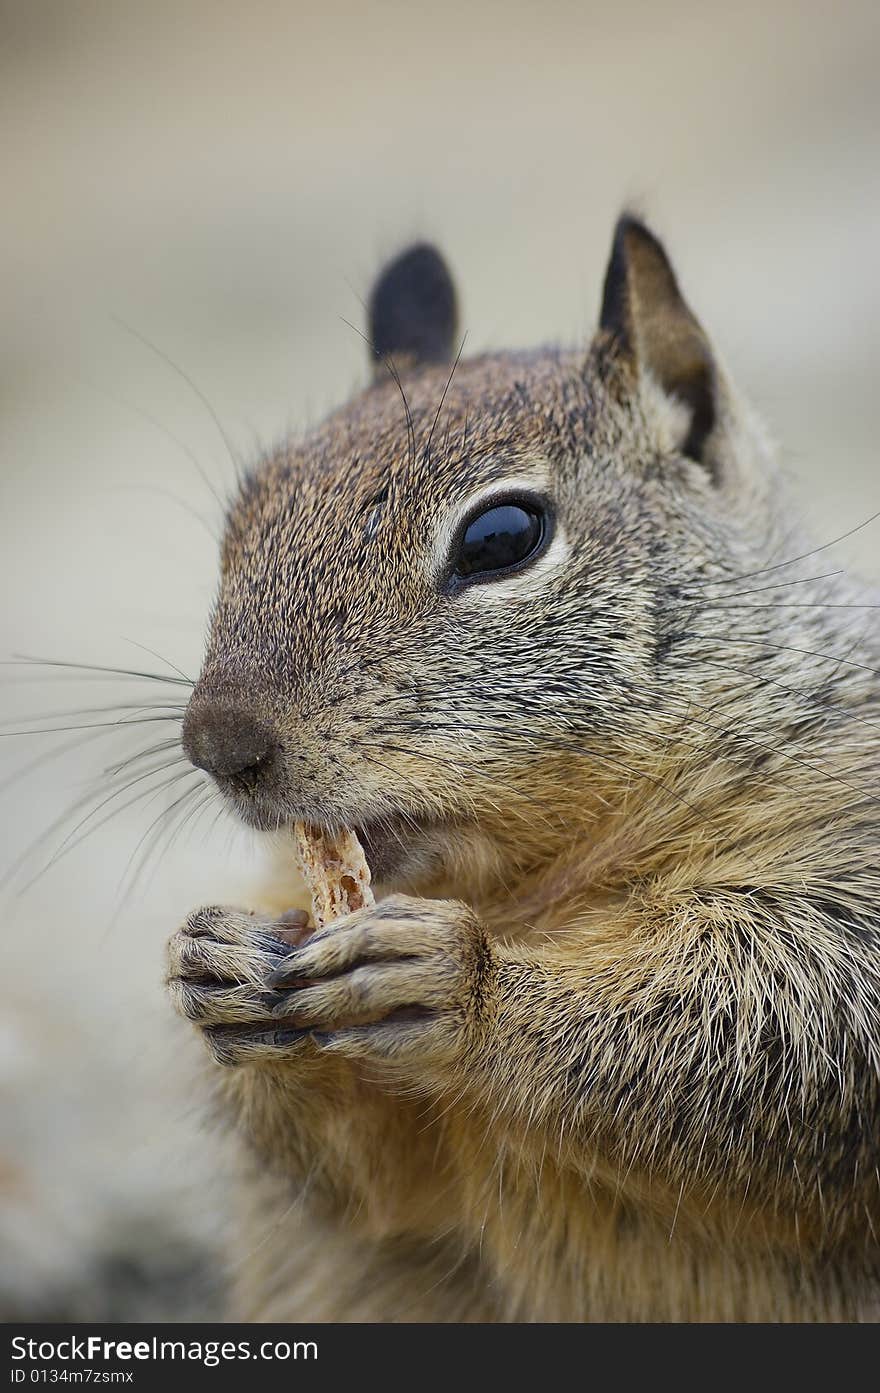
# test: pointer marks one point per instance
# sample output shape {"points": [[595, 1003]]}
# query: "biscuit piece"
{"points": [[335, 870]]}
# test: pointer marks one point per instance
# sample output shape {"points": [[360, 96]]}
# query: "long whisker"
{"points": [[205, 802], [777, 585], [94, 725], [175, 440], [162, 659], [77, 805], [574, 747], [176, 368], [427, 450], [760, 642], [210, 796], [47, 756], [86, 827], [792, 604], [161, 748], [786, 754], [814, 551], [445, 764], [71, 839], [27, 660], [130, 706], [162, 822], [802, 697], [391, 368], [171, 828], [406, 817], [856, 643], [167, 494], [780, 752]]}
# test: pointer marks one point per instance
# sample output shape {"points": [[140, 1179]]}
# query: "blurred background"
{"points": [[194, 199]]}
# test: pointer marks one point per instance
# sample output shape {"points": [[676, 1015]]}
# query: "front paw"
{"points": [[219, 966], [405, 980]]}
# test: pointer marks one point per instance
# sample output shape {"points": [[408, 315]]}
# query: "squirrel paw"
{"points": [[402, 980], [219, 965]]}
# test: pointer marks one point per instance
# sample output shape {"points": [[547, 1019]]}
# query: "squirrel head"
{"points": [[456, 605]]}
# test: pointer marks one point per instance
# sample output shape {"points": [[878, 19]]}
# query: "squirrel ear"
{"points": [[643, 308], [412, 312]]}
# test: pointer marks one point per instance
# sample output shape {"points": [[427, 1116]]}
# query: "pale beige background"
{"points": [[225, 178]]}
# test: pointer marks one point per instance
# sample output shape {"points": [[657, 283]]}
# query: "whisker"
{"points": [[804, 556], [576, 748], [803, 698], [220, 810], [86, 828], [779, 584], [178, 502], [427, 450], [46, 756], [131, 706], [95, 792], [175, 367], [161, 748], [175, 440], [162, 659], [786, 753], [210, 794], [856, 643], [796, 758], [159, 822], [541, 805], [759, 642], [792, 604], [170, 828], [27, 660], [391, 369], [95, 725], [71, 811]]}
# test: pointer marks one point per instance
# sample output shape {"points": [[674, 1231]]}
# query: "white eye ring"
{"points": [[505, 559], [525, 582], [498, 540]]}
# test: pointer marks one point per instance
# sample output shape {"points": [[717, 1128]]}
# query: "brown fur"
{"points": [[638, 908]]}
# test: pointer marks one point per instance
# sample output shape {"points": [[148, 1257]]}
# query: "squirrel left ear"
{"points": [[413, 315], [643, 308]]}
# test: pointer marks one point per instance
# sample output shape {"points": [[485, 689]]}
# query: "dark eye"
{"points": [[501, 538]]}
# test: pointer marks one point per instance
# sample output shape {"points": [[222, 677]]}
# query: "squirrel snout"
{"points": [[228, 742]]}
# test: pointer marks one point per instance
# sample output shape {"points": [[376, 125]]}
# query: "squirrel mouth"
{"points": [[399, 847]]}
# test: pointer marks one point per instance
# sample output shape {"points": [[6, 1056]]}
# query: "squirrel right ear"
{"points": [[643, 308], [413, 315]]}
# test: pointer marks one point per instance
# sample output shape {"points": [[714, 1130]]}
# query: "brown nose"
{"points": [[228, 741]]}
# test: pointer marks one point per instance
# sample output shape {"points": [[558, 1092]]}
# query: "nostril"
{"points": [[228, 742], [251, 774]]}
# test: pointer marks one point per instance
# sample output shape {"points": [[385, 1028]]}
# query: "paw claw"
{"points": [[284, 1006], [232, 1047], [287, 973]]}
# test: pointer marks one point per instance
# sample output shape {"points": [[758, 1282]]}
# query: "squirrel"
{"points": [[540, 628]]}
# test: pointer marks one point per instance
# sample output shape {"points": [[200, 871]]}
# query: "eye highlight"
{"points": [[500, 539]]}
